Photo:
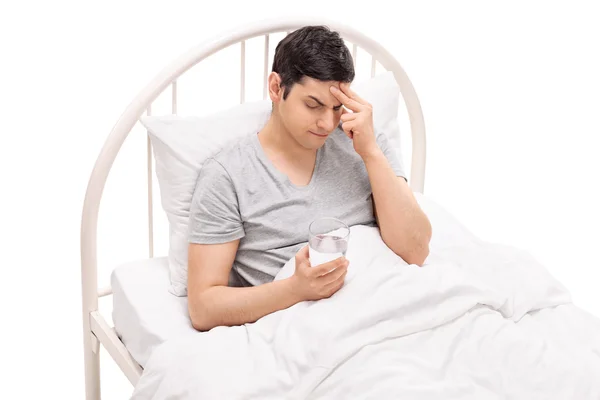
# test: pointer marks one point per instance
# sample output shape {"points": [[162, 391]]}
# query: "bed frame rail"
{"points": [[95, 329]]}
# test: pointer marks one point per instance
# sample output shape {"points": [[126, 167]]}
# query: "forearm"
{"points": [[229, 306], [404, 227]]}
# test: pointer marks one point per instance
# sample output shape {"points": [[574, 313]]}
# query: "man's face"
{"points": [[310, 112]]}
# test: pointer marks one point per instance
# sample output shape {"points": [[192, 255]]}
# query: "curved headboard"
{"points": [[168, 76]]}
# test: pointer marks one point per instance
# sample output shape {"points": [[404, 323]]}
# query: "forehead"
{"points": [[314, 84], [319, 89]]}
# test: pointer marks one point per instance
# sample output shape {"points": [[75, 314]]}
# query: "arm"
{"points": [[405, 228], [212, 303], [215, 231]]}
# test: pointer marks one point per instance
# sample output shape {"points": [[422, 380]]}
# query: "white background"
{"points": [[510, 93]]}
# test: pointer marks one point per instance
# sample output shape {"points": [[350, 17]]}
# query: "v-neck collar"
{"points": [[281, 176]]}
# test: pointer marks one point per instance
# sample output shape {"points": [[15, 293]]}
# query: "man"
{"points": [[317, 156]]}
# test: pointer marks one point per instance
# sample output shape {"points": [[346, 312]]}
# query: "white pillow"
{"points": [[181, 144]]}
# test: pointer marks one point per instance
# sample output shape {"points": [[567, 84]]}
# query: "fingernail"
{"points": [[334, 88]]}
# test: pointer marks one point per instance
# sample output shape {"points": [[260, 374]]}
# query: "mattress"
{"points": [[144, 313]]}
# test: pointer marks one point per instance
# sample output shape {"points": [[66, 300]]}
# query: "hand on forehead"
{"points": [[319, 92], [348, 97]]}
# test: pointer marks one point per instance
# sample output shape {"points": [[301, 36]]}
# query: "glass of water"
{"points": [[327, 240]]}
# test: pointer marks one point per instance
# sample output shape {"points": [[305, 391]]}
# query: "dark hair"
{"points": [[313, 51]]}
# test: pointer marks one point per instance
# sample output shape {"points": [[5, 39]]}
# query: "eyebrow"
{"points": [[320, 103]]}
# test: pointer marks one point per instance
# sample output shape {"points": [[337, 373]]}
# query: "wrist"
{"points": [[293, 289], [372, 155]]}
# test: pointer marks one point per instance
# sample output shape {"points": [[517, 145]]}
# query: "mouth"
{"points": [[316, 134]]}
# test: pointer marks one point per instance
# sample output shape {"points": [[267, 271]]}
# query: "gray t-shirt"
{"points": [[241, 195]]}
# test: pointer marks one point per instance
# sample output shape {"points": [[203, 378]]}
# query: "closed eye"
{"points": [[338, 108]]}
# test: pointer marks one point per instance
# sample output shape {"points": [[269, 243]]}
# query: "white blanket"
{"points": [[449, 329]]}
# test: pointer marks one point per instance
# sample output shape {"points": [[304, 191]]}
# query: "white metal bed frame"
{"points": [[96, 330]]}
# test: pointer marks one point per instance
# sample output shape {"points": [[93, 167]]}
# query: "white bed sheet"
{"points": [[145, 314], [479, 321], [480, 355]]}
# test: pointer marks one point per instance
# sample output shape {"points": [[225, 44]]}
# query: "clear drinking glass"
{"points": [[327, 240]]}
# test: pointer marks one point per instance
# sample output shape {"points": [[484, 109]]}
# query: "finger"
{"points": [[302, 257], [321, 272], [333, 271], [345, 100], [347, 128], [336, 285], [333, 276], [303, 252], [328, 267], [347, 90], [348, 134], [346, 110], [347, 117]]}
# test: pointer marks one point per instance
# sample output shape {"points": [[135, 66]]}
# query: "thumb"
{"points": [[302, 258]]}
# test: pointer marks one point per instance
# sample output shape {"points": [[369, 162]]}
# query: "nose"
{"points": [[328, 122]]}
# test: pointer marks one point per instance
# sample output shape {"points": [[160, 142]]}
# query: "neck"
{"points": [[275, 138]]}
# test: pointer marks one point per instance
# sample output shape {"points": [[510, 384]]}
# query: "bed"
{"points": [[481, 321]]}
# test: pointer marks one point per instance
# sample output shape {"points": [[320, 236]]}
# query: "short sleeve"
{"points": [[391, 155], [214, 211]]}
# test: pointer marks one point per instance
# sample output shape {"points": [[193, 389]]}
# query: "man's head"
{"points": [[306, 63]]}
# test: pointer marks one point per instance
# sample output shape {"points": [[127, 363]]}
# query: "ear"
{"points": [[274, 86]]}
